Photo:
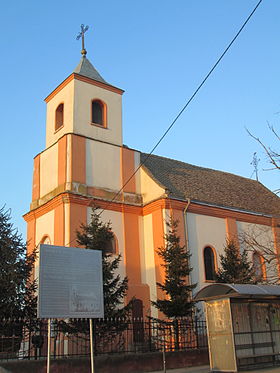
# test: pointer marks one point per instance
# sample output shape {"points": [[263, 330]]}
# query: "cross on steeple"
{"points": [[82, 35]]}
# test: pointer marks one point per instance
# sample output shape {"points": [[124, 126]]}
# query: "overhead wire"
{"points": [[184, 107]]}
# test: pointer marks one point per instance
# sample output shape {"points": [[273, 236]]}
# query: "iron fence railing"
{"points": [[27, 339]]}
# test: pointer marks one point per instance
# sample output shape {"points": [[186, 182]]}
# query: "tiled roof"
{"points": [[85, 68], [205, 185]]}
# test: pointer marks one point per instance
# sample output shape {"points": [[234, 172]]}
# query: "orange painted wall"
{"points": [[36, 178], [276, 236], [128, 167], [231, 229], [62, 152], [59, 225], [78, 166], [31, 235], [132, 248], [78, 215], [179, 216], [133, 262]]}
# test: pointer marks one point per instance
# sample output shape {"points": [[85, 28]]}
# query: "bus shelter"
{"points": [[243, 325]]}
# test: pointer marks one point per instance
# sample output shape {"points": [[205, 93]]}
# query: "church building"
{"points": [[85, 163]]}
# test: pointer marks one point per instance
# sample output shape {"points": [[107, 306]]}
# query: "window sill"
{"points": [[98, 125], [59, 128]]}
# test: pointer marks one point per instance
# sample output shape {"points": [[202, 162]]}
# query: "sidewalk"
{"points": [[206, 369]]}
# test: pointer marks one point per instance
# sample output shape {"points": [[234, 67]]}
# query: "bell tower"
{"points": [[83, 155], [85, 104], [85, 164]]}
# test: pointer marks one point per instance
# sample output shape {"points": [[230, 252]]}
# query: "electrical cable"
{"points": [[184, 107]]}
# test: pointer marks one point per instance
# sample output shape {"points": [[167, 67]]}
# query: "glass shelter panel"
{"points": [[221, 348], [275, 325], [242, 329], [256, 327]]}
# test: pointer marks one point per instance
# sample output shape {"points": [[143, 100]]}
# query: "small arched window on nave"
{"points": [[112, 246], [209, 263], [59, 116], [259, 266]]}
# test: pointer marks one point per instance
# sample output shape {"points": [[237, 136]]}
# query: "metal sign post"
{"points": [[91, 346], [49, 346]]}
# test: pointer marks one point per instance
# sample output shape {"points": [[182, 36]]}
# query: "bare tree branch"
{"points": [[274, 157]]}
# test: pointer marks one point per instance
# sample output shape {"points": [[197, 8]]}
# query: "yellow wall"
{"points": [[66, 96], [204, 231], [149, 188], [148, 273], [49, 170], [117, 227], [138, 174], [264, 236], [84, 94], [45, 226], [102, 165]]}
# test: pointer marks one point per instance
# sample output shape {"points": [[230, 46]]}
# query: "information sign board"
{"points": [[70, 283]]}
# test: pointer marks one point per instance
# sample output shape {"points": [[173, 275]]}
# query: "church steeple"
{"points": [[85, 104], [85, 68]]}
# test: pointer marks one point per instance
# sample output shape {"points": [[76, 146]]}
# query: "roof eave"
{"points": [[84, 79]]}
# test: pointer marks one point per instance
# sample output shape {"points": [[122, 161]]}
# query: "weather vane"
{"points": [[82, 35]]}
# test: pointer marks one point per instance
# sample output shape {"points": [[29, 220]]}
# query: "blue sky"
{"points": [[158, 52]]}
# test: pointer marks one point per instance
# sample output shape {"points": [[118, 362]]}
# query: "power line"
{"points": [[184, 107]]}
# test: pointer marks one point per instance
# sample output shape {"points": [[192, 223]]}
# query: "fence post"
{"points": [[196, 332], [149, 330], [163, 357]]}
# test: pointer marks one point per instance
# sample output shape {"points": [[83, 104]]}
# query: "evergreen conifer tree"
{"points": [[17, 288], [98, 236], [176, 262], [178, 301], [235, 266]]}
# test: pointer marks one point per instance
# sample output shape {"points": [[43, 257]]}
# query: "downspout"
{"points": [[186, 232]]}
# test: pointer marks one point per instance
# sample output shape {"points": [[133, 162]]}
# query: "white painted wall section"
{"points": [[84, 94], [45, 226], [264, 236], [149, 188], [48, 170], [204, 231], [103, 165], [147, 256], [65, 96], [116, 220], [137, 175]]}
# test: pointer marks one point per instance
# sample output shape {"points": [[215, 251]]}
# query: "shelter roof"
{"points": [[237, 290], [205, 185]]}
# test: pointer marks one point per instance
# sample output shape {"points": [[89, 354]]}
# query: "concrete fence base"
{"points": [[121, 363]]}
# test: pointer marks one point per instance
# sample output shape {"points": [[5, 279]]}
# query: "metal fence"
{"points": [[27, 339]]}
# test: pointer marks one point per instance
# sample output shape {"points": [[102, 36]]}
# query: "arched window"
{"points": [[112, 246], [46, 240], [259, 266], [59, 114], [209, 263], [98, 114]]}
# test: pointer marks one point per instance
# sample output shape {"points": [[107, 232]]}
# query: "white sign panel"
{"points": [[70, 283]]}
